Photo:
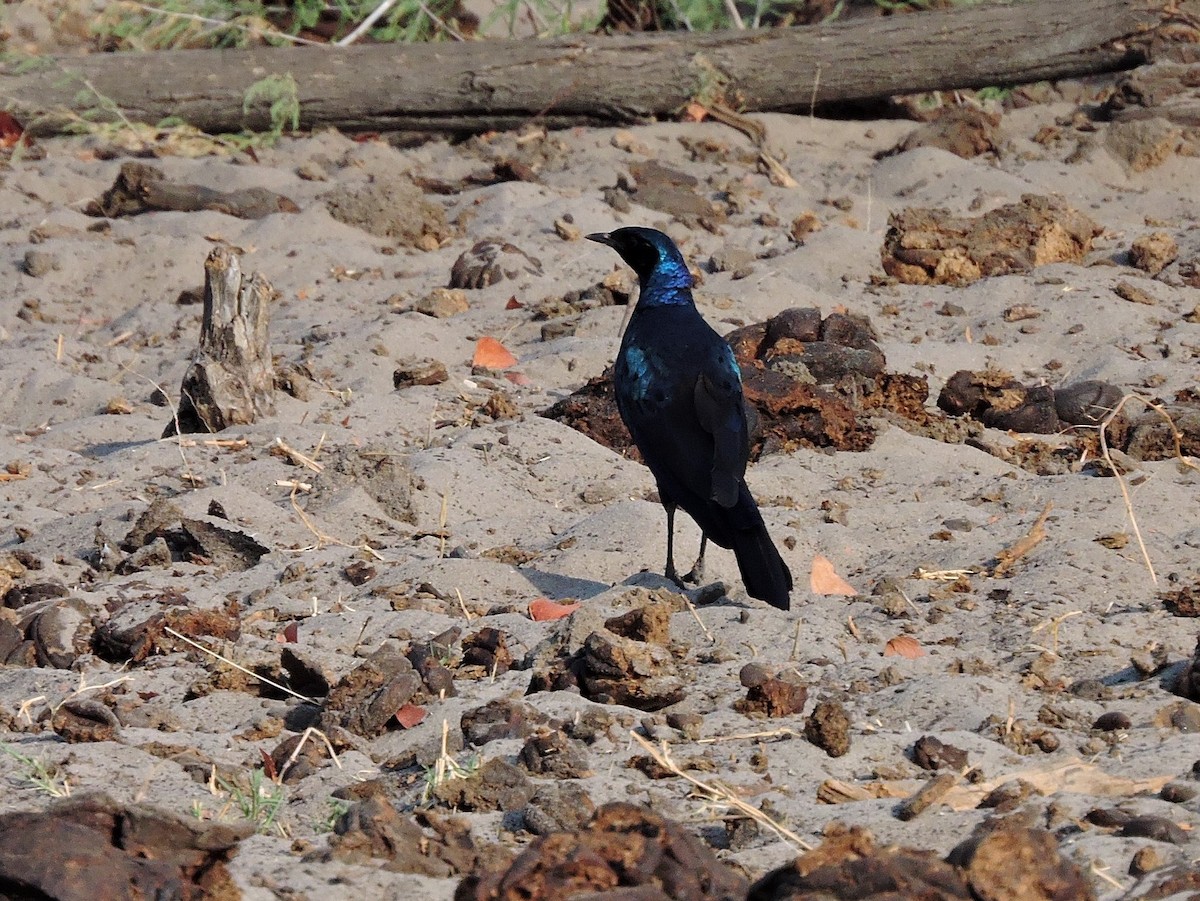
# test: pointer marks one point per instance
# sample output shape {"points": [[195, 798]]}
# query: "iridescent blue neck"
{"points": [[668, 283]]}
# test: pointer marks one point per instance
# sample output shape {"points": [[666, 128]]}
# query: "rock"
{"points": [[497, 785], [1144, 860], [60, 629], [133, 633], [1112, 722], [81, 720], [367, 698], [965, 131], [1001, 861], [731, 258], [426, 843], [848, 866], [1088, 402], [1142, 144], [1184, 601], [1153, 252], [929, 753], [615, 670], [773, 697], [501, 718], [623, 847], [933, 246], [1187, 684], [828, 727], [92, 847], [552, 754], [1160, 829], [40, 262], [651, 623], [21, 595], [485, 654], [558, 807], [490, 261], [442, 303], [419, 371]]}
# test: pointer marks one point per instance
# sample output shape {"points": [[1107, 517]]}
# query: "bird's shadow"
{"points": [[108, 448], [556, 586]]}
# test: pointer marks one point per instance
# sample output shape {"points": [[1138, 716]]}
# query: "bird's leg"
{"points": [[696, 576], [670, 571]]}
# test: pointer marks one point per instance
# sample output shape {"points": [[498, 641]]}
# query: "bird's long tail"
{"points": [[764, 573]]}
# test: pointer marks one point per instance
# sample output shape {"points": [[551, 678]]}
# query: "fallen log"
{"points": [[593, 80]]}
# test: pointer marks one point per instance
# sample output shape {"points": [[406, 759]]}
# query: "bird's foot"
{"points": [[696, 575], [674, 576]]}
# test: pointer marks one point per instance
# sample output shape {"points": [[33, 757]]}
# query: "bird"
{"points": [[679, 391]]}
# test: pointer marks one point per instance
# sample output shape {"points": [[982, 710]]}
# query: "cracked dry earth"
{"points": [[1005, 709]]}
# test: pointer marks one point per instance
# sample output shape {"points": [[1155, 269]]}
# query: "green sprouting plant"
{"points": [[335, 809], [710, 81], [996, 93], [281, 93], [186, 23], [445, 769], [18, 63], [38, 774], [550, 18], [258, 800]]}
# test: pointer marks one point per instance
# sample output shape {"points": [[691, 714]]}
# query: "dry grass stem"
{"points": [[1107, 456], [1053, 625], [717, 792], [323, 538], [239, 667], [310, 731], [942, 575], [443, 516], [712, 639], [1023, 545], [750, 736], [462, 605], [225, 443], [852, 628], [295, 456]]}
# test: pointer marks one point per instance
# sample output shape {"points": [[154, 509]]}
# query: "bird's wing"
{"points": [[720, 412]]}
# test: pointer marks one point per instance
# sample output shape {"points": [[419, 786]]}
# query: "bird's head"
{"points": [[650, 253]]}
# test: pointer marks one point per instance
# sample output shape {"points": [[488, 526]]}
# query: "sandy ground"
{"points": [[85, 341]]}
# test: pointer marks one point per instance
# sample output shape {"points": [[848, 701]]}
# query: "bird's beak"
{"points": [[602, 238]]}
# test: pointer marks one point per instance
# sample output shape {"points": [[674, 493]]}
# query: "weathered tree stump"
{"points": [[231, 380]]}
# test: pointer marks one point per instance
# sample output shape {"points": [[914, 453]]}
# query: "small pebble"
{"points": [[1112, 721]]}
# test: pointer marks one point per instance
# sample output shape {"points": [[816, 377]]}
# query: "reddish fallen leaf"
{"points": [[694, 112], [269, 766], [291, 633], [491, 354], [824, 579], [10, 130], [518, 378], [903, 646], [514, 304], [410, 715], [543, 609]]}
